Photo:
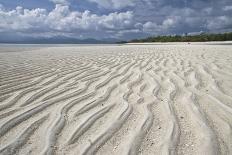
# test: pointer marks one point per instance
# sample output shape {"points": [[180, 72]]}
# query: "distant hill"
{"points": [[60, 40], [203, 37]]}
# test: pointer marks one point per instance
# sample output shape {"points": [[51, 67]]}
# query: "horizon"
{"points": [[109, 20]]}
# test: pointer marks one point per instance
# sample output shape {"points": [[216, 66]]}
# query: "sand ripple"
{"points": [[132, 99]]}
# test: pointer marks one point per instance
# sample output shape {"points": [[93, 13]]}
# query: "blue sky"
{"points": [[120, 19]]}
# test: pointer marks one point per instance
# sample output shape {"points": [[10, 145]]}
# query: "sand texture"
{"points": [[116, 100]]}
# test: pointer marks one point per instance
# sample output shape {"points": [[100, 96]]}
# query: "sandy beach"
{"points": [[116, 100]]}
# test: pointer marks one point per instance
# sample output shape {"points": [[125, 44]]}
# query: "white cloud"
{"points": [[164, 26], [62, 19], [227, 8], [167, 23], [114, 4], [21, 19], [219, 23], [64, 2]]}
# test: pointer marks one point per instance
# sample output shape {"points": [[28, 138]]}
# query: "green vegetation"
{"points": [[187, 38]]}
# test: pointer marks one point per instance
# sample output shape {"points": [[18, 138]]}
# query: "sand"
{"points": [[117, 99]]}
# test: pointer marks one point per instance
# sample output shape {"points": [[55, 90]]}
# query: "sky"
{"points": [[111, 19]]}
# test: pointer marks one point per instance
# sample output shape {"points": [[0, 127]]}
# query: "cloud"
{"points": [[62, 19], [114, 4], [64, 2], [21, 19], [117, 18], [152, 27], [227, 8], [220, 23]]}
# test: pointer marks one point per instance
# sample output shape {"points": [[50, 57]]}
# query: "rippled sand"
{"points": [[130, 99]]}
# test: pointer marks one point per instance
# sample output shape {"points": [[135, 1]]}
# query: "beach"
{"points": [[116, 99]]}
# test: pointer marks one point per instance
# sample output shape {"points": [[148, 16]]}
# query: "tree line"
{"points": [[186, 38]]}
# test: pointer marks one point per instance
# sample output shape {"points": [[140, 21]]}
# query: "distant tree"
{"points": [[203, 37]]}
